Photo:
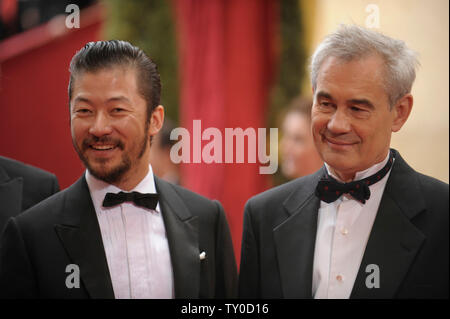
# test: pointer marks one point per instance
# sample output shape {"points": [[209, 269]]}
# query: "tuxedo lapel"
{"points": [[182, 234], [394, 241], [295, 239], [81, 237], [10, 196]]}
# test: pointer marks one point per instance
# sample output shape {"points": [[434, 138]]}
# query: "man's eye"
{"points": [[118, 110], [326, 104], [83, 111], [357, 109]]}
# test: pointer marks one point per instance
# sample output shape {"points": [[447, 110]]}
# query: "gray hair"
{"points": [[352, 42]]}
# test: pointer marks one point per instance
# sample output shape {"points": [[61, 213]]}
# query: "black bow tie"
{"points": [[143, 200], [329, 189]]}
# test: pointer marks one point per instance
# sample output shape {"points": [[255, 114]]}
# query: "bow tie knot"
{"points": [[139, 199], [329, 189]]}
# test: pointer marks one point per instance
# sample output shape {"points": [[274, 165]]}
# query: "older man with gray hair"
{"points": [[366, 225]]}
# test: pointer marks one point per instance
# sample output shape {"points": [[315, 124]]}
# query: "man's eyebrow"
{"points": [[322, 94], [81, 99], [119, 98], [365, 102]]}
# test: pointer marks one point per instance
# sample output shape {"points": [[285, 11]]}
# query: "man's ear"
{"points": [[156, 120], [401, 111]]}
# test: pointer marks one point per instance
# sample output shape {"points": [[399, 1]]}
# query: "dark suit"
{"points": [[39, 244], [22, 186], [409, 240]]}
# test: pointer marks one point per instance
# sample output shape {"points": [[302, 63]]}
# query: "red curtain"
{"points": [[227, 52], [34, 73]]}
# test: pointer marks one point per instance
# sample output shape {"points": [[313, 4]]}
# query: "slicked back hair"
{"points": [[100, 55]]}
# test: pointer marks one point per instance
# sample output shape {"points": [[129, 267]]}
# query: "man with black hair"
{"points": [[119, 231]]}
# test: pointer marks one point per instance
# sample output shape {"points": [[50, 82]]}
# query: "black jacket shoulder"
{"points": [[38, 184]]}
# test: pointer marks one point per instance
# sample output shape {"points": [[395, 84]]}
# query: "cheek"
{"points": [[77, 130], [318, 120], [133, 135], [371, 134], [317, 125]]}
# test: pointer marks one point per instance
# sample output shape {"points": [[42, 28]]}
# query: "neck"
{"points": [[349, 176], [344, 177], [133, 177]]}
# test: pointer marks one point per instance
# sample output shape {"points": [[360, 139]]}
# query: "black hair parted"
{"points": [[99, 55]]}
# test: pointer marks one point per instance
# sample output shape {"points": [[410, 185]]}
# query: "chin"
{"points": [[108, 173], [108, 176], [340, 162]]}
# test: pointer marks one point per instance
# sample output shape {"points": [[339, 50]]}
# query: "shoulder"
{"points": [[414, 191], [37, 183], [435, 194], [51, 210], [303, 186], [196, 203], [433, 186], [427, 186], [18, 169]]}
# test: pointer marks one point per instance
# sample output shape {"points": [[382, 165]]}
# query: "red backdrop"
{"points": [[34, 74], [227, 51]]}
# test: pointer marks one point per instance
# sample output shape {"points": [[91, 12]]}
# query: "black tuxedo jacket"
{"points": [[409, 240], [22, 186], [38, 245]]}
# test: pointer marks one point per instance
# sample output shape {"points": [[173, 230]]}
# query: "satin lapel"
{"points": [[10, 196], [295, 239], [394, 241], [81, 237], [182, 234]]}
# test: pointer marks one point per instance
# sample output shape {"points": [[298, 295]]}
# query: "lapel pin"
{"points": [[202, 255]]}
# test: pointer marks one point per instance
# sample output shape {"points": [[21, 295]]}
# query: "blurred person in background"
{"points": [[160, 160], [299, 156]]}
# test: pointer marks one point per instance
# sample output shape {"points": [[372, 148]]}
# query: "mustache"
{"points": [[102, 140]]}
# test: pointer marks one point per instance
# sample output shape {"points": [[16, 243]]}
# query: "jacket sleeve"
{"points": [[226, 272], [16, 276], [249, 268]]}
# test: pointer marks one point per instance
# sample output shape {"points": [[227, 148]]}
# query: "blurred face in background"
{"points": [[298, 153]]}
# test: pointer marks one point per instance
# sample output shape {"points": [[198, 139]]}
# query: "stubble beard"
{"points": [[115, 174]]}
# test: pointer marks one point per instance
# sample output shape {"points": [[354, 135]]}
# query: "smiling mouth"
{"points": [[102, 147], [337, 142]]}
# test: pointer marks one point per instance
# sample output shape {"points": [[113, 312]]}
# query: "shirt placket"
{"points": [[136, 252], [341, 252]]}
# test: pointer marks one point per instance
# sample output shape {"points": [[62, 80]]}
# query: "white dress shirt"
{"points": [[343, 229], [135, 242]]}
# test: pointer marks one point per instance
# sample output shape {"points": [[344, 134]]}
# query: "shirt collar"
{"points": [[365, 173], [99, 188]]}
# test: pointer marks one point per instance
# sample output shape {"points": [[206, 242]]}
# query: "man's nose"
{"points": [[101, 125], [339, 122]]}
